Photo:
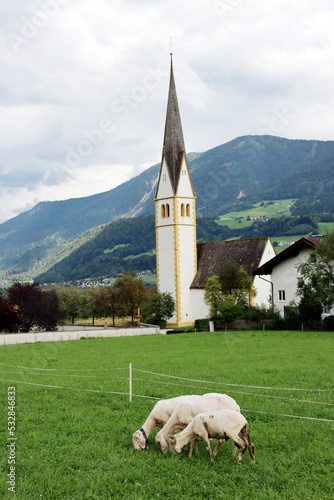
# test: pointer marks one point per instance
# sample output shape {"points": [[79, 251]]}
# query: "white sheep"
{"points": [[157, 418], [220, 424], [187, 410]]}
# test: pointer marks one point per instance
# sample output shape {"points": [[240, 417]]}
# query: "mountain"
{"points": [[313, 187], [120, 245], [130, 243], [223, 178]]}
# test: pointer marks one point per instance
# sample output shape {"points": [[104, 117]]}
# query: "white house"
{"points": [[283, 271], [183, 267]]}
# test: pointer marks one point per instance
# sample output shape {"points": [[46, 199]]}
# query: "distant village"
{"points": [[99, 282]]}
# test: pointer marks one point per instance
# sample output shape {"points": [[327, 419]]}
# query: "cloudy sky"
{"points": [[83, 85]]}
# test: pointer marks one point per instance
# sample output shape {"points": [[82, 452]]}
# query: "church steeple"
{"points": [[173, 147], [175, 217]]}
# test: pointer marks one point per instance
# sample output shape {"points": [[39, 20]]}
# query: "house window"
{"points": [[188, 210], [281, 295], [300, 282], [163, 212], [167, 209], [182, 210]]}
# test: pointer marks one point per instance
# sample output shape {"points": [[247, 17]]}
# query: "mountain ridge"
{"points": [[224, 178]]}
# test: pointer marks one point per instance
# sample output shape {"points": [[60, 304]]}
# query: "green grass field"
{"points": [[267, 209], [74, 435], [326, 227]]}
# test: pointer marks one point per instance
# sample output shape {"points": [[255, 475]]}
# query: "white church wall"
{"points": [[187, 268], [165, 187], [165, 260], [200, 309], [185, 187]]}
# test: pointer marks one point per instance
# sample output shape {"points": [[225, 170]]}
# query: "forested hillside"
{"points": [[122, 244], [229, 177], [130, 243], [313, 188]]}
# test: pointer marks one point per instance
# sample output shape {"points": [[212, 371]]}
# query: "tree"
{"points": [[94, 304], [317, 289], [50, 313], [228, 292], [159, 308], [104, 303], [27, 306], [113, 307], [213, 295], [8, 317], [130, 292], [234, 279], [72, 301]]}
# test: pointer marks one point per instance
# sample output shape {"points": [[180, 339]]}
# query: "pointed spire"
{"points": [[173, 140]]}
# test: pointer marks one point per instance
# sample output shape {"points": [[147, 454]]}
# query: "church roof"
{"points": [[210, 256], [173, 149]]}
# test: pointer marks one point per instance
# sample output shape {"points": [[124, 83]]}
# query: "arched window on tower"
{"points": [[167, 209], [188, 210], [163, 212], [182, 210]]}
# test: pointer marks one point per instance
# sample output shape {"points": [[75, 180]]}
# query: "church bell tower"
{"points": [[175, 217]]}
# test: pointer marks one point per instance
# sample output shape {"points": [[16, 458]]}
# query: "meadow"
{"points": [[74, 419], [266, 209]]}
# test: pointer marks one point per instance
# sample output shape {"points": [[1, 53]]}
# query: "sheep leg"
{"points": [[239, 443], [218, 446], [208, 446], [193, 445], [241, 454]]}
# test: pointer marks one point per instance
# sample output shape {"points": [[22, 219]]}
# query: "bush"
{"points": [[328, 323], [202, 324], [27, 307]]}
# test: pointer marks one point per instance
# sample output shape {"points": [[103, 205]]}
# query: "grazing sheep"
{"points": [[157, 418], [187, 410], [220, 424]]}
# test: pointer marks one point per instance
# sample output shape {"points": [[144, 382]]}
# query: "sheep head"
{"points": [[161, 443], [139, 441], [174, 445]]}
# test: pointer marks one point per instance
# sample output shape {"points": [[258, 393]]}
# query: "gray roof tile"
{"points": [[210, 256]]}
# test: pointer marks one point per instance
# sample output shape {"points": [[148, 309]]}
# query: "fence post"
{"points": [[130, 381]]}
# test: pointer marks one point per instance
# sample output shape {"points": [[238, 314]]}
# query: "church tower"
{"points": [[175, 217]]}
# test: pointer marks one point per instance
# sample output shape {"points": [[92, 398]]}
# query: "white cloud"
{"points": [[84, 85]]}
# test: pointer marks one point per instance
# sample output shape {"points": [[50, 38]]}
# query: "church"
{"points": [[183, 266]]}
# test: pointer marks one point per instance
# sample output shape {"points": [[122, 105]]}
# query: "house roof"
{"points": [[291, 251], [173, 148], [210, 256]]}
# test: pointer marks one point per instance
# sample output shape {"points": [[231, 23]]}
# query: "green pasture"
{"points": [[150, 253], [111, 250], [283, 239], [269, 209], [326, 227], [74, 421]]}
